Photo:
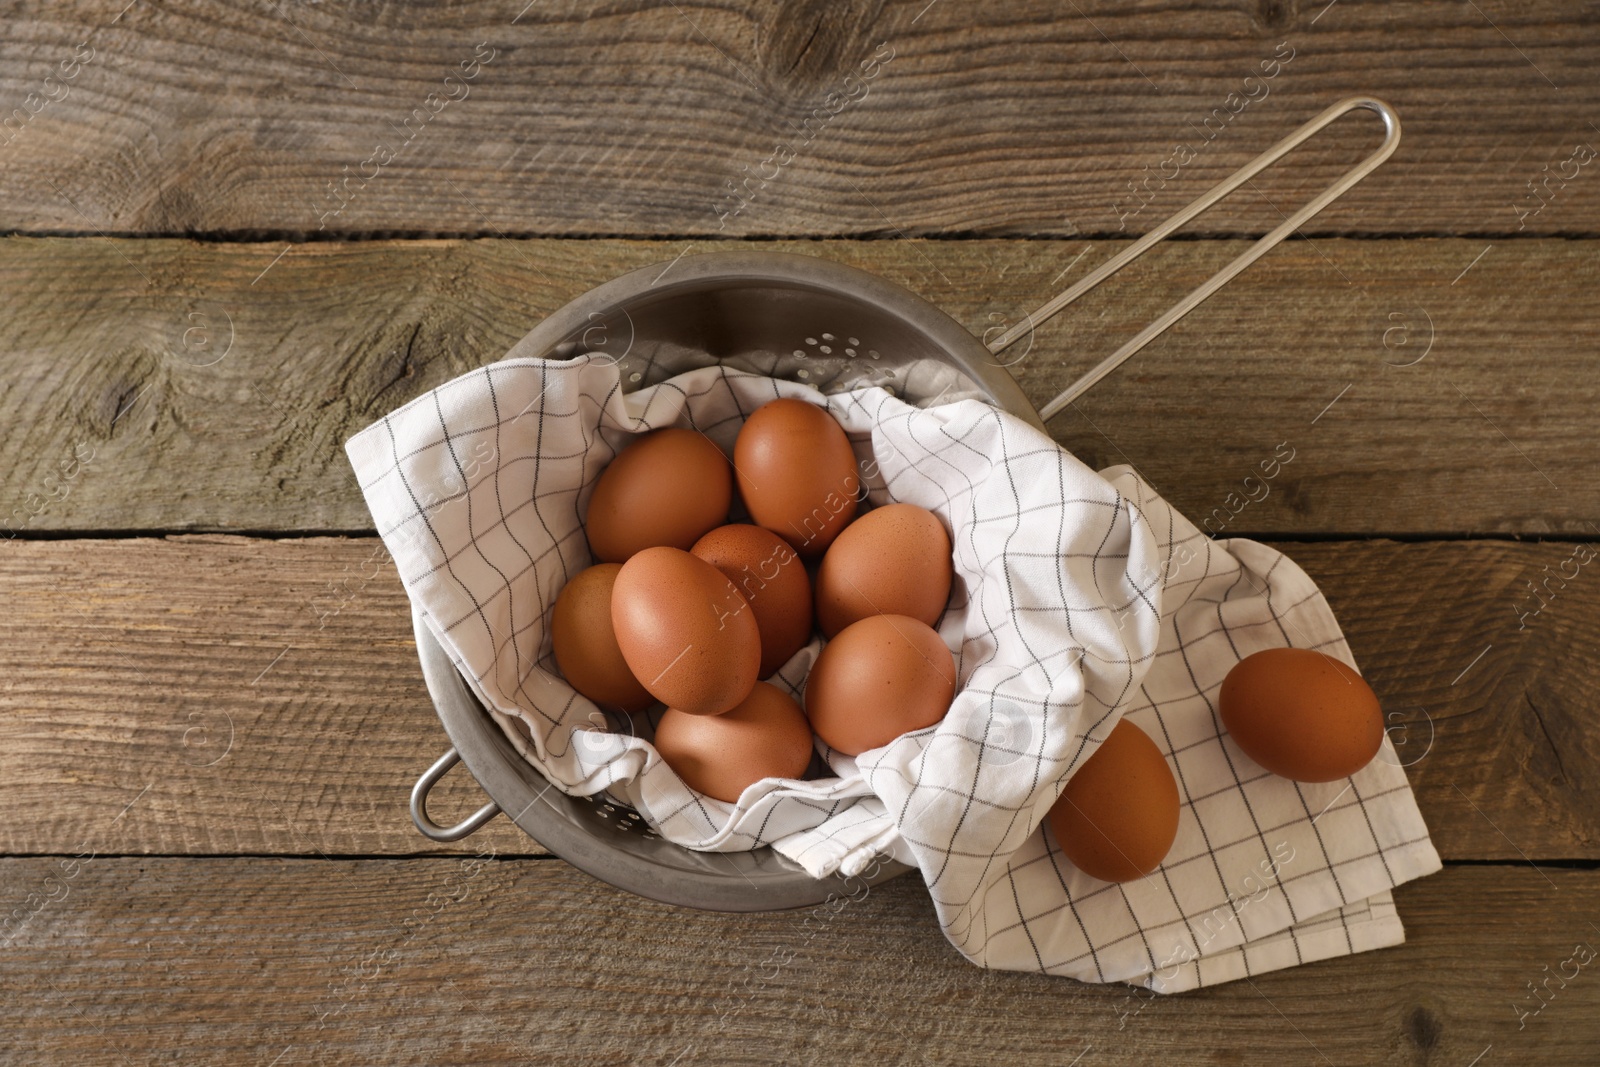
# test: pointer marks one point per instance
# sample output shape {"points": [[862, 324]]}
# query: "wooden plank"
{"points": [[252, 696], [508, 961], [566, 119], [127, 663], [1469, 661], [1422, 386]]}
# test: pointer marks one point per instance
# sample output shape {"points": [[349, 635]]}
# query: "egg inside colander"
{"points": [[797, 317]]}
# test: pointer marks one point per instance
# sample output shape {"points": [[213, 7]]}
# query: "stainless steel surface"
{"points": [[782, 315], [1391, 141], [419, 805]]}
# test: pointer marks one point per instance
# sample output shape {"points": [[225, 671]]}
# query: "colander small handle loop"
{"points": [[1391, 141], [419, 804]]}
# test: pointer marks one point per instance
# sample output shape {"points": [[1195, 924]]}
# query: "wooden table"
{"points": [[238, 233]]}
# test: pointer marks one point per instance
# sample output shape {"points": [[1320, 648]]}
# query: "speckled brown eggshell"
{"points": [[1118, 816], [796, 473], [768, 574], [1301, 714], [585, 644], [668, 488], [879, 678], [685, 631], [766, 736], [894, 560]]}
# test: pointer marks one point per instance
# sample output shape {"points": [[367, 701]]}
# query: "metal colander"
{"points": [[834, 328]]}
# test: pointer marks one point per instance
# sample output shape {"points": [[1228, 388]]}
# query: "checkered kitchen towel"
{"points": [[1079, 598]]}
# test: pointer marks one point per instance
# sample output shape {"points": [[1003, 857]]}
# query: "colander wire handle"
{"points": [[1391, 141], [419, 804]]}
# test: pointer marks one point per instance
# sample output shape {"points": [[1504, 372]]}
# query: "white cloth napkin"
{"points": [[1079, 598]]}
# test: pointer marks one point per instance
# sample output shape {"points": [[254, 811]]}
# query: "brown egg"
{"points": [[685, 631], [766, 736], [881, 677], [586, 646], [668, 487], [1118, 816], [894, 560], [797, 474], [769, 575], [1301, 714]]}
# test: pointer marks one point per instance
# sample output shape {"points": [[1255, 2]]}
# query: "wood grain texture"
{"points": [[129, 664], [1024, 117], [1422, 388], [519, 961], [251, 696]]}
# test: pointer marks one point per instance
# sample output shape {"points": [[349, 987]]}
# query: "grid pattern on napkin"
{"points": [[1078, 599], [1265, 872], [478, 489]]}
